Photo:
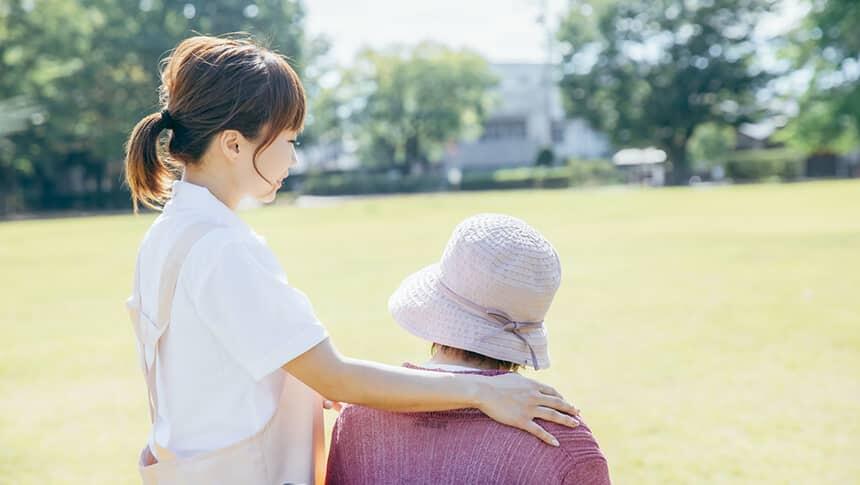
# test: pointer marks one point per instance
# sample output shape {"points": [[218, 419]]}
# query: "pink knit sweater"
{"points": [[457, 447]]}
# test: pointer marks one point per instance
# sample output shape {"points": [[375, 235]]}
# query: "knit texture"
{"points": [[457, 447]]}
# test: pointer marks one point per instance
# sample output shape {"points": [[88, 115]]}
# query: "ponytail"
{"points": [[147, 172], [265, 98]]}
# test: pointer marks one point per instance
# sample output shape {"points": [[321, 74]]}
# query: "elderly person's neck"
{"points": [[443, 355]]}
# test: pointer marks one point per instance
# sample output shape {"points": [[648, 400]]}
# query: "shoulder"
{"points": [[219, 239], [231, 253], [586, 462], [353, 414], [353, 418], [166, 231], [217, 242], [578, 441]]}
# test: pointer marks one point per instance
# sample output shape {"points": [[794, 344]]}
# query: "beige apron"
{"points": [[289, 448]]}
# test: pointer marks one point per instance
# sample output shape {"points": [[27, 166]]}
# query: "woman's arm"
{"points": [[509, 399]]}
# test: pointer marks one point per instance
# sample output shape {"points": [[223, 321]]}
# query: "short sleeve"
{"points": [[260, 319]]}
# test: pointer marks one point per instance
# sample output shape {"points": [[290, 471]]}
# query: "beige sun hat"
{"points": [[489, 294]]}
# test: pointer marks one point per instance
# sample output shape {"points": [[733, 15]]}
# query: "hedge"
{"points": [[757, 165], [578, 172]]}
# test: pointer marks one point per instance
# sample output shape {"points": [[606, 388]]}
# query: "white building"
{"points": [[528, 115]]}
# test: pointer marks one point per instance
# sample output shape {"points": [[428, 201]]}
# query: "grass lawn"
{"points": [[709, 335]]}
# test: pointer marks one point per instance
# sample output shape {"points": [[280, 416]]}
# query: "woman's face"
{"points": [[274, 163]]}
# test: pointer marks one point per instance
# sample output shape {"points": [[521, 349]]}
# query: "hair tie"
{"points": [[166, 120]]}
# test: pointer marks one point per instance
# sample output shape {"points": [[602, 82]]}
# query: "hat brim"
{"points": [[425, 310]]}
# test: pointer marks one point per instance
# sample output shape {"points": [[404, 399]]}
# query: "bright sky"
{"points": [[501, 30]]}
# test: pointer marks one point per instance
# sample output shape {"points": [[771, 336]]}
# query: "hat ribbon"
{"points": [[497, 316]]}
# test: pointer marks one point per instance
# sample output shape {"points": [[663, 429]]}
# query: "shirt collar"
{"points": [[449, 367], [187, 196]]}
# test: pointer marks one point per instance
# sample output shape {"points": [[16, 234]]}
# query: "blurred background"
{"points": [[430, 96], [701, 154]]}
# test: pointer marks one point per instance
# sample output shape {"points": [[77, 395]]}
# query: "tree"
{"points": [[15, 115], [92, 69], [649, 73], [710, 145], [39, 46], [828, 44], [824, 124], [321, 124], [545, 157], [404, 105]]}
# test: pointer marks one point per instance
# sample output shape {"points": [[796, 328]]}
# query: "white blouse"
{"points": [[235, 321]]}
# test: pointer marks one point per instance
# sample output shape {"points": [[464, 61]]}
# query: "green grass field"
{"points": [[709, 335]]}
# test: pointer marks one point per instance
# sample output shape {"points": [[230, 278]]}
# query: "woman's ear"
{"points": [[231, 143]]}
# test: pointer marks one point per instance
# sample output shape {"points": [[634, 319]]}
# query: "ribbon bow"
{"points": [[497, 316]]}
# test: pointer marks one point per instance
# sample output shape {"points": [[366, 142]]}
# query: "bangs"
{"points": [[285, 99]]}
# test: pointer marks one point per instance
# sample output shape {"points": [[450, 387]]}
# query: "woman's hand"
{"points": [[509, 399], [516, 401]]}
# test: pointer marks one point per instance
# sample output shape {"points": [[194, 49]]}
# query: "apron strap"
{"points": [[166, 291]]}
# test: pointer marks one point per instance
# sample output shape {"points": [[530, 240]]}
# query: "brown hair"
{"points": [[210, 84], [474, 357]]}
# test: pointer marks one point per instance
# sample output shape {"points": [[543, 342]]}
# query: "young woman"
{"points": [[216, 320]]}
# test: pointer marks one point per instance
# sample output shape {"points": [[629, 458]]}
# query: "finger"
{"points": [[558, 404], [549, 390], [337, 406], [540, 433], [554, 416], [328, 404]]}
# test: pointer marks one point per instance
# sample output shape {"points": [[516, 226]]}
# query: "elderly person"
{"points": [[482, 308]]}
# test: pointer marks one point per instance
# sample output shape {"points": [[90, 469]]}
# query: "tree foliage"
{"points": [[405, 105], [649, 73], [710, 145], [828, 43], [90, 69]]}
